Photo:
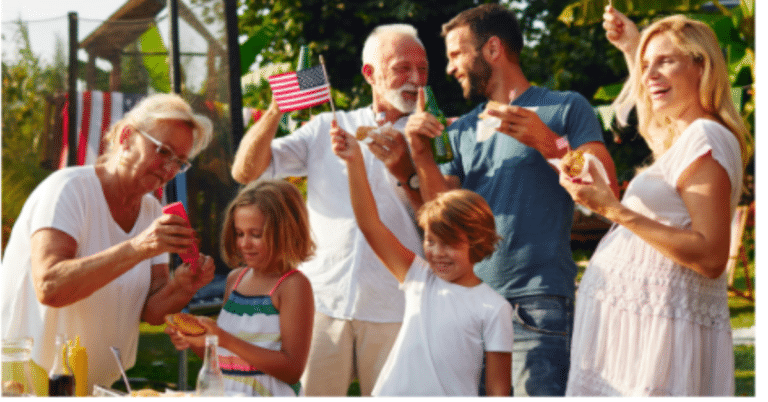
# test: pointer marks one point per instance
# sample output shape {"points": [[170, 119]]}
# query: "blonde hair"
{"points": [[155, 108], [697, 40], [286, 224], [456, 215]]}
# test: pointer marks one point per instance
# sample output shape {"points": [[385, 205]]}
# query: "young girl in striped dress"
{"points": [[265, 326]]}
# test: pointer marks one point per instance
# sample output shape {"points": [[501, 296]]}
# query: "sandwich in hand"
{"points": [[187, 324], [363, 132], [573, 163]]}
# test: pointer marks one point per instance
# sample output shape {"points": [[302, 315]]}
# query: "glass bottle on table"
{"points": [[441, 145], [210, 380], [61, 381]]}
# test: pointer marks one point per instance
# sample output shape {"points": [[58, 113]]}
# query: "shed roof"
{"points": [[123, 27]]}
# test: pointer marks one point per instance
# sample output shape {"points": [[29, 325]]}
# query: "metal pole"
{"points": [[72, 88], [171, 188], [235, 90], [173, 8]]}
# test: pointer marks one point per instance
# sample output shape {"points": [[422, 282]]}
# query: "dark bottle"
{"points": [[441, 145], [61, 381]]}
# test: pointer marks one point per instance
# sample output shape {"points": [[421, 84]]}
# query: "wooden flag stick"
{"points": [[325, 73]]}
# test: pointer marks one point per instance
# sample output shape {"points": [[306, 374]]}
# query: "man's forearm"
{"points": [[254, 152]]}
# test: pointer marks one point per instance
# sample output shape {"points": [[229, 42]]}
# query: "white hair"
{"points": [[372, 46]]}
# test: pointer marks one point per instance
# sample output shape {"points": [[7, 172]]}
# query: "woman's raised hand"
{"points": [[620, 31]]}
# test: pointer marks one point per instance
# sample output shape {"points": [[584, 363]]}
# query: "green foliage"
{"points": [[156, 63], [744, 356], [26, 84], [587, 12], [255, 44], [562, 57], [134, 76]]}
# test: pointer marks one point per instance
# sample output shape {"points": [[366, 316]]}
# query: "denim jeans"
{"points": [[542, 348], [541, 354]]}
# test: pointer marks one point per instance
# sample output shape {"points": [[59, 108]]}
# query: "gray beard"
{"points": [[395, 98]]}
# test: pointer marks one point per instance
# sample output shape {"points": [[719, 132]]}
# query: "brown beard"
{"points": [[478, 77]]}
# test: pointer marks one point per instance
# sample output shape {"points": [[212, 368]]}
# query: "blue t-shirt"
{"points": [[533, 212]]}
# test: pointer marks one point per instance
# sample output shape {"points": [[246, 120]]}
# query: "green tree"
{"points": [[26, 85], [563, 57]]}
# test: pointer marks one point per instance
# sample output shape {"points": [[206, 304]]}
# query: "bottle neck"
{"points": [[211, 358], [59, 358]]}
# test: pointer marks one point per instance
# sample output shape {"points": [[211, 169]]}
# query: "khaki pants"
{"points": [[343, 350]]}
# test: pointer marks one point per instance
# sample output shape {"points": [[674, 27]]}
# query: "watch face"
{"points": [[413, 181]]}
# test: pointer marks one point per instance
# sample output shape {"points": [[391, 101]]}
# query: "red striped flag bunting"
{"points": [[300, 89], [97, 112]]}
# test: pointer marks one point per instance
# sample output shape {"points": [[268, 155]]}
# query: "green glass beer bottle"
{"points": [[441, 145]]}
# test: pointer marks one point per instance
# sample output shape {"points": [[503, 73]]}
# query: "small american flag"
{"points": [[300, 89]]}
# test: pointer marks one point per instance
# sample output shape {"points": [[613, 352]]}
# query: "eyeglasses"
{"points": [[166, 153]]}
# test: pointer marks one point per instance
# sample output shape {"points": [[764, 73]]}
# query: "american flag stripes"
{"points": [[97, 112], [300, 89]]}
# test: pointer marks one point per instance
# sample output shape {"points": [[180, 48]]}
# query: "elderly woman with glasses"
{"points": [[88, 255]]}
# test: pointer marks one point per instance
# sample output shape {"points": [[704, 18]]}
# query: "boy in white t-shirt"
{"points": [[452, 319]]}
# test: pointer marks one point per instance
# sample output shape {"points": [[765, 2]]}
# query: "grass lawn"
{"points": [[158, 361]]}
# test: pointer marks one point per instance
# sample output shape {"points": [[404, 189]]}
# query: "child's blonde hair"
{"points": [[454, 214], [286, 224]]}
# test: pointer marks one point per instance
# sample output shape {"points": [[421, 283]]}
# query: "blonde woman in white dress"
{"points": [[651, 313]]}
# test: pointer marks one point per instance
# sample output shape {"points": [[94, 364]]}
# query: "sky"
{"points": [[42, 9], [47, 19], [47, 23]]}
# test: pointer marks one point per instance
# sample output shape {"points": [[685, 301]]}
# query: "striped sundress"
{"points": [[255, 320]]}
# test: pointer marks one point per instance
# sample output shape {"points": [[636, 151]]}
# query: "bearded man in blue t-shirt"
{"points": [[533, 265]]}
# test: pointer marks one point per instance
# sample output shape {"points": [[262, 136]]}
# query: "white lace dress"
{"points": [[643, 324]]}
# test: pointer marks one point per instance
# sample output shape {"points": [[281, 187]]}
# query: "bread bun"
{"points": [[363, 131], [13, 388], [573, 162], [187, 324]]}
